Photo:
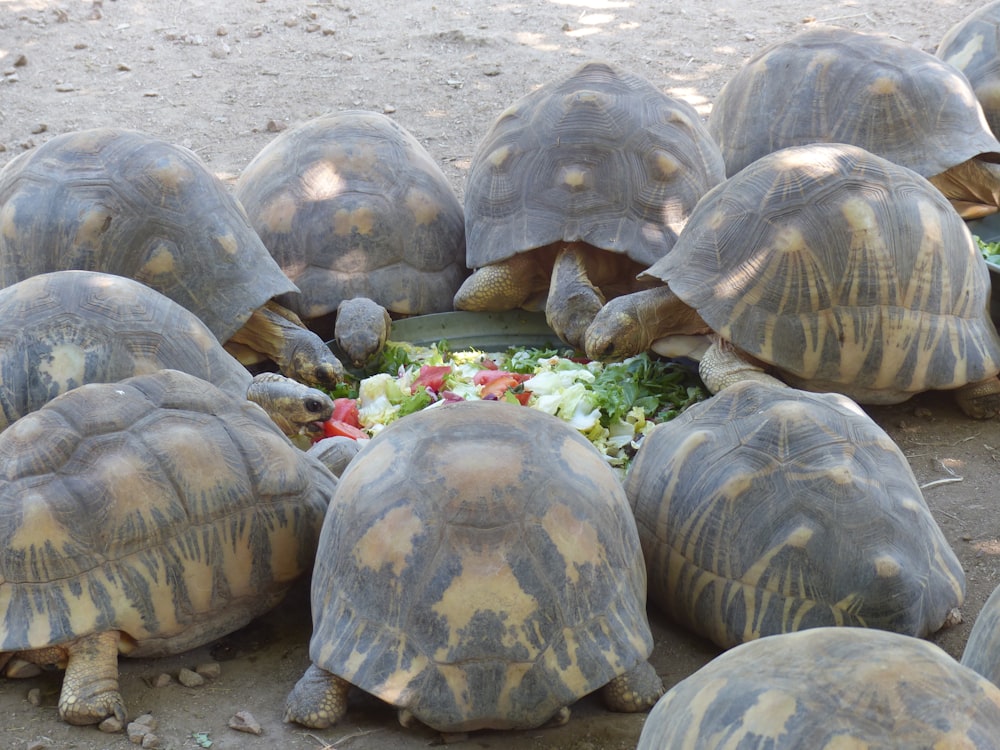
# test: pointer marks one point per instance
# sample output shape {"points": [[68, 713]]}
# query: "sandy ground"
{"points": [[223, 78]]}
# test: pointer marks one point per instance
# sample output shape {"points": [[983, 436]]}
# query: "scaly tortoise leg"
{"points": [[90, 687], [721, 365], [318, 700], [502, 286], [980, 400], [636, 690], [279, 334], [574, 300]]}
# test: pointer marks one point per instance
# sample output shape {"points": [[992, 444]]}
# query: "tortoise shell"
{"points": [[982, 649], [766, 509], [157, 506], [127, 203], [834, 85], [63, 329], [479, 566], [973, 46], [350, 204], [827, 688], [843, 271], [601, 156]]}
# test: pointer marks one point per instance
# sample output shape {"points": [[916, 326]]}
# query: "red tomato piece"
{"points": [[346, 410], [337, 428], [485, 377], [430, 376], [496, 387]]}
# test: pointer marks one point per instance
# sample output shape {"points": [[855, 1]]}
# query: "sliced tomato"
{"points": [[430, 376], [497, 387], [485, 377], [338, 428], [346, 410]]}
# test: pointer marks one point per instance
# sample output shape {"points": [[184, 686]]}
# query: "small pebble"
{"points": [[35, 697], [111, 725], [151, 742], [388, 109], [146, 720], [221, 31], [209, 670], [21, 61], [42, 743], [135, 732], [124, 66], [244, 721], [275, 126], [80, 45], [65, 87], [151, 94], [39, 128], [162, 680], [190, 678]]}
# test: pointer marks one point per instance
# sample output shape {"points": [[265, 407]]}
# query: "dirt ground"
{"points": [[223, 78]]}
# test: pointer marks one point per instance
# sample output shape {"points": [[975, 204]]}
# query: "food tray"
{"points": [[478, 330]]}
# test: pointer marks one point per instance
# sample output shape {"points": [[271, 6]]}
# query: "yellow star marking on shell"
{"points": [[486, 584], [161, 261], [66, 364], [389, 541], [666, 163], [361, 220], [321, 182], [92, 225], [424, 208], [499, 156], [575, 177], [883, 86], [886, 566], [961, 58], [576, 541], [172, 175], [279, 213], [769, 715]]}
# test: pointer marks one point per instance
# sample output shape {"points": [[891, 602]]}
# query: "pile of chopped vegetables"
{"points": [[612, 404]]}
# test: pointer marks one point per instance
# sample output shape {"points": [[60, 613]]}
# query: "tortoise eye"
{"points": [[314, 405]]}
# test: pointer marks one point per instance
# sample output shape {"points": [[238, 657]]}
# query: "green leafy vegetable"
{"points": [[990, 250]]}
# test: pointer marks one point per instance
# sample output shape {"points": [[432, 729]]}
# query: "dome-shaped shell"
{"points": [[158, 506], [127, 203], [827, 688], [479, 565], [766, 509], [63, 329], [973, 46], [601, 156], [350, 204], [841, 86], [982, 649], [844, 271]]}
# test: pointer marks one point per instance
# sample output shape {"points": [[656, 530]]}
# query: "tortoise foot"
{"points": [[636, 690], [318, 700], [90, 688], [980, 400]]}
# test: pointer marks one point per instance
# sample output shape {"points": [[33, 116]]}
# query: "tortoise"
{"points": [[145, 517], [981, 653], [473, 593], [827, 688], [832, 85], [973, 46], [766, 509], [576, 188], [351, 205], [125, 202], [62, 329], [832, 267]]}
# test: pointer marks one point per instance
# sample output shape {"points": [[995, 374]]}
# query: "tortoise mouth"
{"points": [[313, 428]]}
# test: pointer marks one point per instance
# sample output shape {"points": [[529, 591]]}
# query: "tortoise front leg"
{"points": [[573, 299], [90, 688], [980, 400]]}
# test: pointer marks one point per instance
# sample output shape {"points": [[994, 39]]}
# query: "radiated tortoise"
{"points": [[831, 267], [766, 509], [828, 689], [973, 46], [63, 329], [145, 517], [478, 568], [577, 187], [832, 85], [351, 205]]}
